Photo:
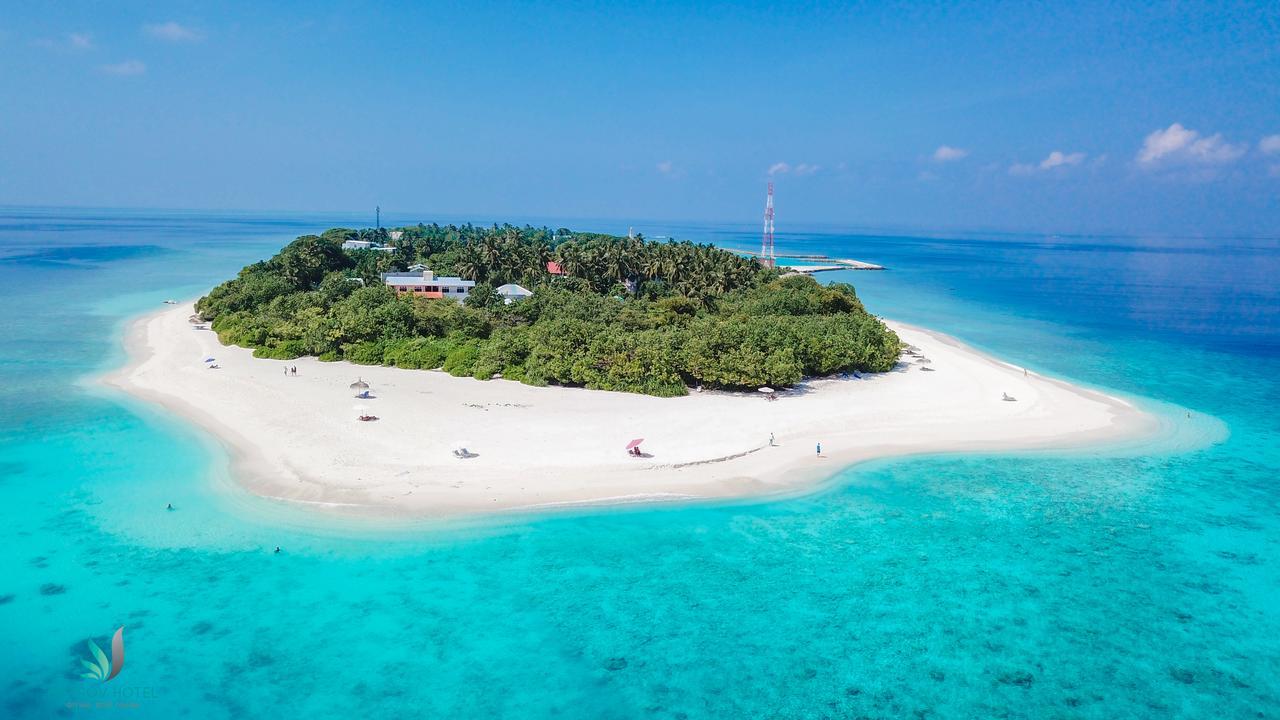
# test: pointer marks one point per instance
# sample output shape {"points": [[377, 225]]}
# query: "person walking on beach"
{"points": [[286, 371], [819, 449], [770, 439]]}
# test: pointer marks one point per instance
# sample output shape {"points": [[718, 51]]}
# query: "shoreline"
{"points": [[295, 438]]}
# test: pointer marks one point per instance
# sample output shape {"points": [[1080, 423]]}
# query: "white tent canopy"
{"points": [[512, 292]]}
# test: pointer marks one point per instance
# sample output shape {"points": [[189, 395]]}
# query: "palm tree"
{"points": [[652, 264], [539, 256], [718, 281], [617, 263], [490, 254], [571, 259], [469, 265]]}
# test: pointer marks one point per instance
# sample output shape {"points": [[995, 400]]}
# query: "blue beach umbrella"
{"points": [[208, 359]]}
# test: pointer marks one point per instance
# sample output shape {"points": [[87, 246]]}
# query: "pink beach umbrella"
{"points": [[634, 443]]}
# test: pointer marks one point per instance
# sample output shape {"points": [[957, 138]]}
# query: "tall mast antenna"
{"points": [[767, 256]]}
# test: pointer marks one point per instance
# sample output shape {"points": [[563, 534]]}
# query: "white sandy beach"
{"points": [[298, 439]]}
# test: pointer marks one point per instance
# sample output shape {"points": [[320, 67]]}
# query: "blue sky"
{"points": [[1121, 117]]}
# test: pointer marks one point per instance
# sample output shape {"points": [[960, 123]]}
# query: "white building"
{"points": [[424, 283], [512, 292], [366, 245]]}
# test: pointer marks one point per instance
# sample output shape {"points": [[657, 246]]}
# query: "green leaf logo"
{"points": [[102, 669]]}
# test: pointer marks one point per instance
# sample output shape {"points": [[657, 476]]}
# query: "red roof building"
{"points": [[554, 268]]}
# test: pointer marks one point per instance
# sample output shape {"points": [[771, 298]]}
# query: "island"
{"points": [[434, 371]]}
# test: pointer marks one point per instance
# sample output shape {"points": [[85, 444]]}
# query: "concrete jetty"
{"points": [[828, 263], [834, 264]]}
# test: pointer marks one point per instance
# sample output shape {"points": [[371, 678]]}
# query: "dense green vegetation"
{"points": [[628, 314]]}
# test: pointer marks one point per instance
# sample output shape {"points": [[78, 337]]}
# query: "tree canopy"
{"points": [[627, 314]]}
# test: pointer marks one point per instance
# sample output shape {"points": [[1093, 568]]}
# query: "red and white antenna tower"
{"points": [[766, 244]]}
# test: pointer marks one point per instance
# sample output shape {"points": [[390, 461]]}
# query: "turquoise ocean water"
{"points": [[1136, 582]]}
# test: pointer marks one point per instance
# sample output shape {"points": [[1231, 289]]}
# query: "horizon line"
{"points": [[804, 227]]}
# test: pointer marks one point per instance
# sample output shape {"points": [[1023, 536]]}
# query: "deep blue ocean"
{"points": [[1139, 582]]}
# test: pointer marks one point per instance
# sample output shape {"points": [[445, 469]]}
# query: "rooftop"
{"points": [[423, 278]]}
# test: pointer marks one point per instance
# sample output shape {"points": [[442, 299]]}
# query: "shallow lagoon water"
{"points": [[1137, 582]]}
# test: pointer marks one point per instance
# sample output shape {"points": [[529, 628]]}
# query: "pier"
{"points": [[829, 263]]}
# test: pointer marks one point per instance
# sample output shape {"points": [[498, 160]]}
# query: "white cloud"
{"points": [[1059, 159], [1177, 145], [1270, 145], [72, 41], [782, 168], [1055, 160], [128, 67], [669, 169], [946, 153], [172, 32]]}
